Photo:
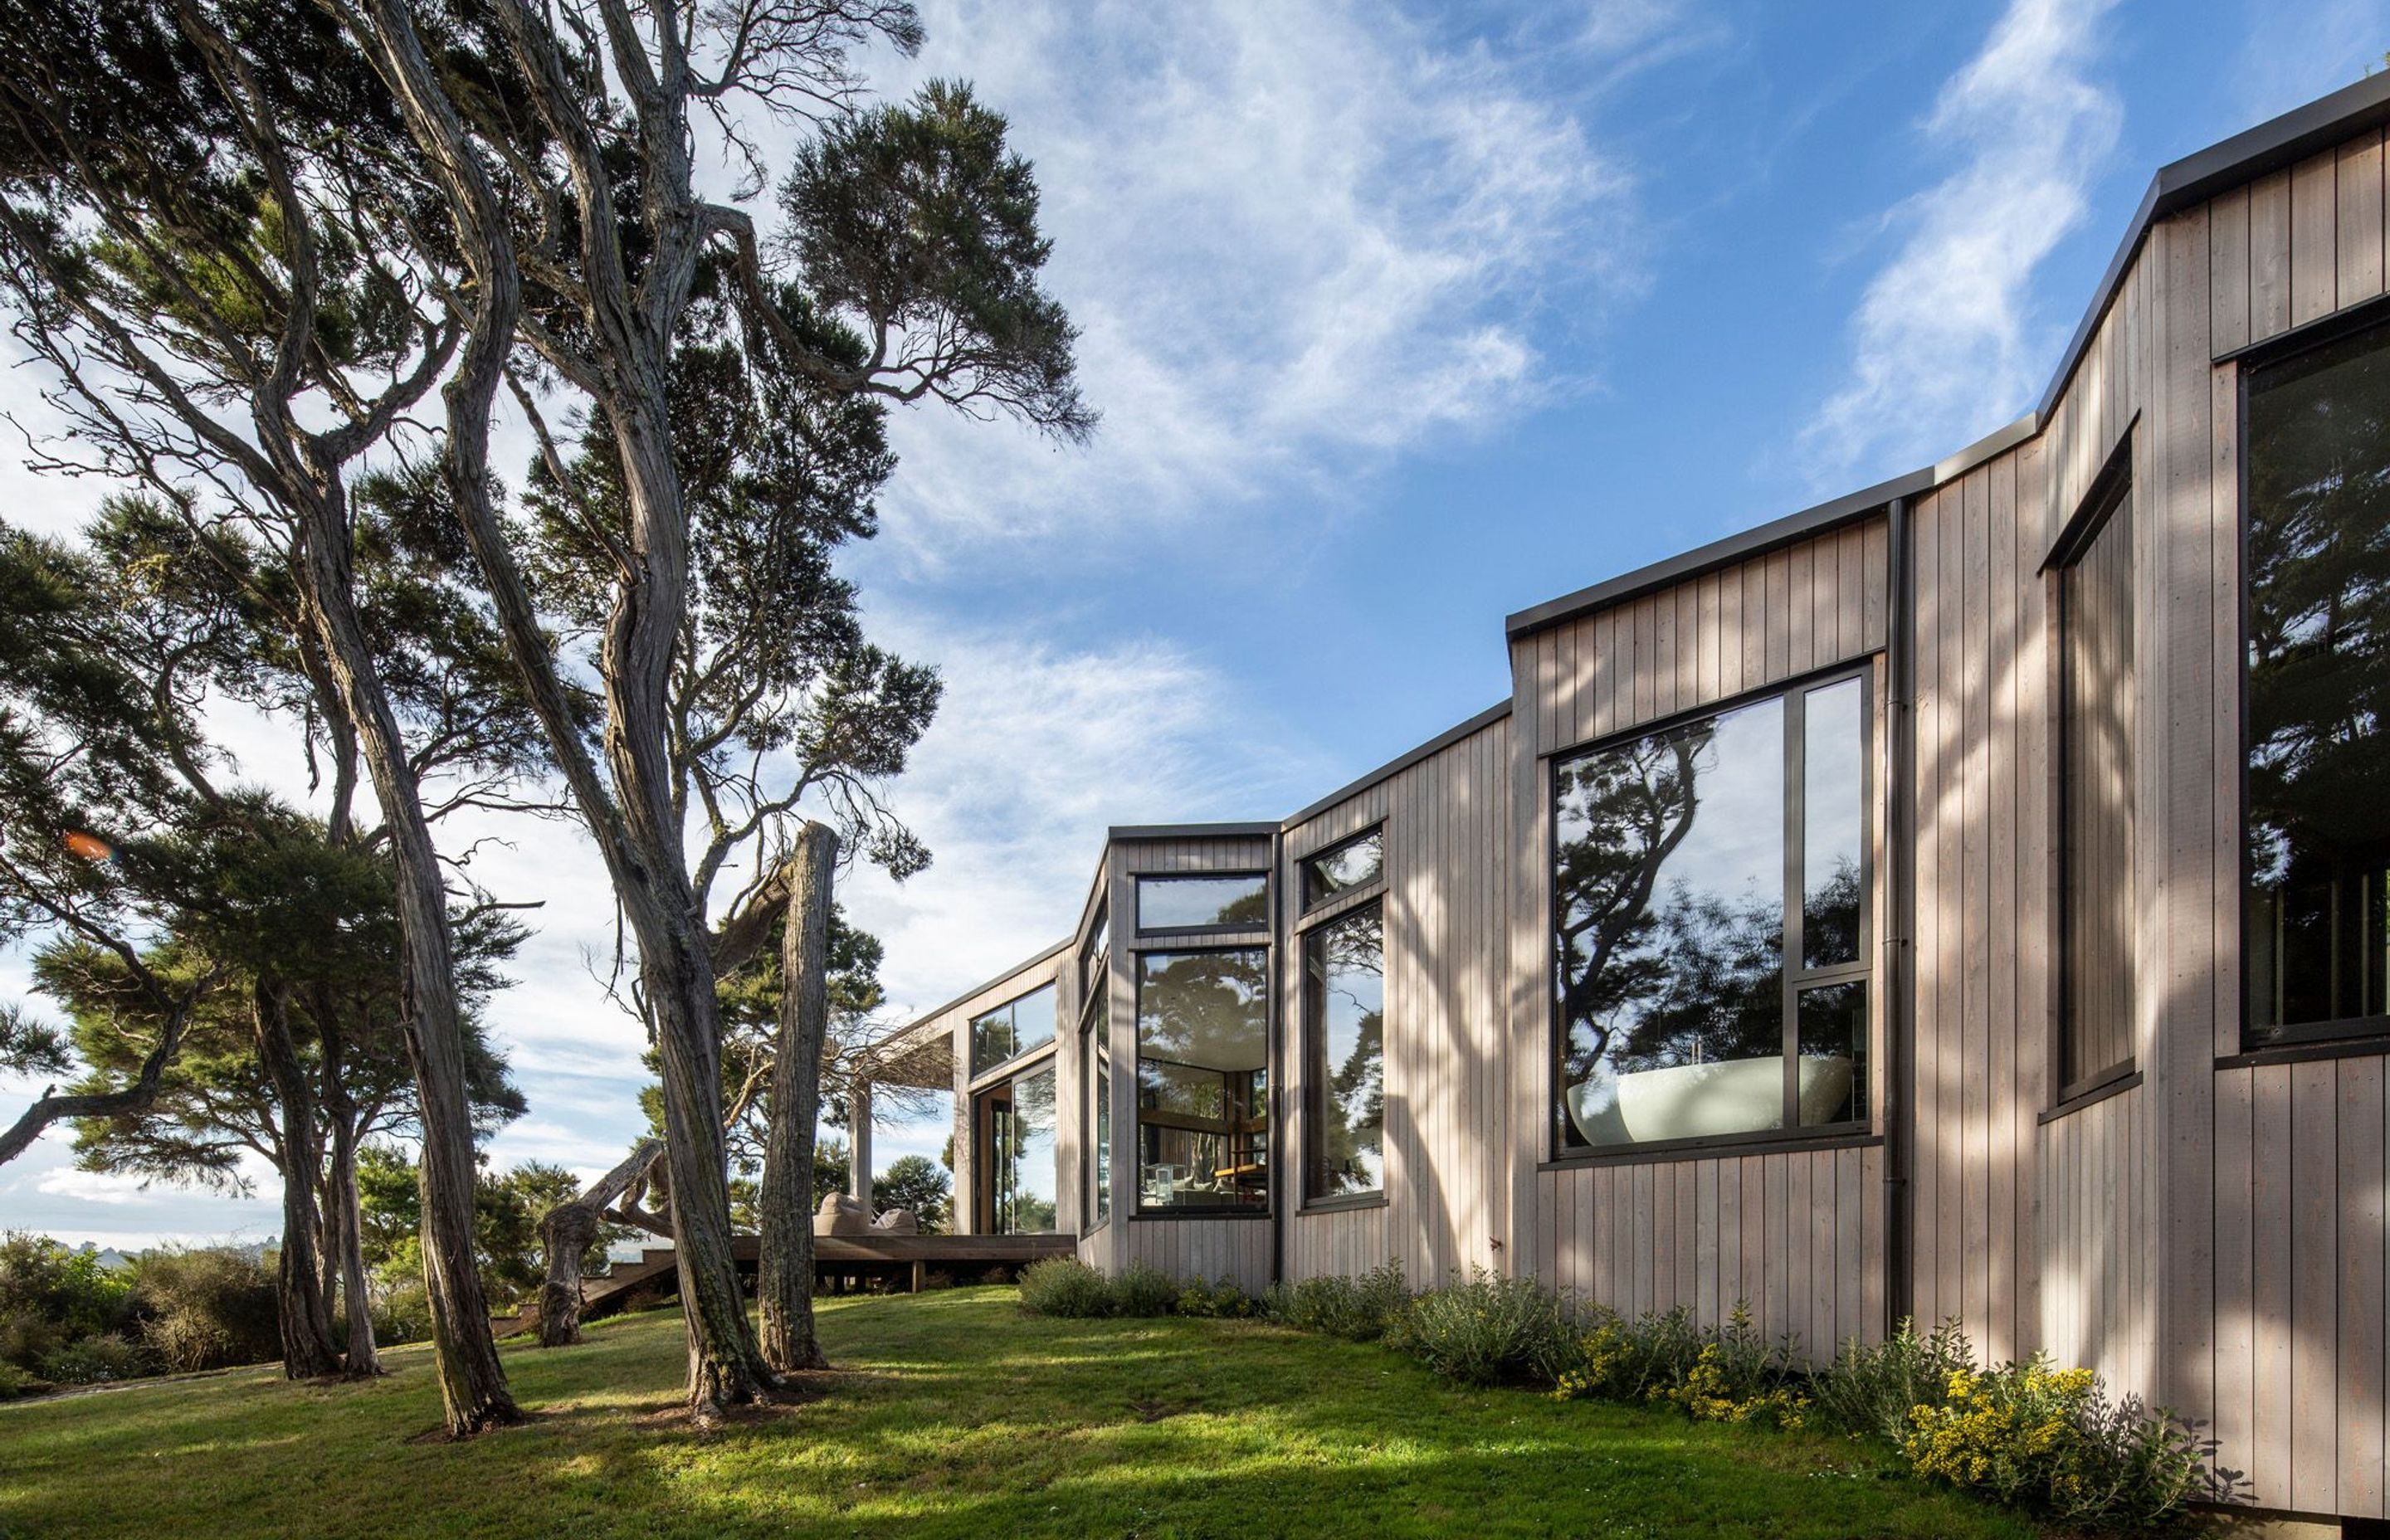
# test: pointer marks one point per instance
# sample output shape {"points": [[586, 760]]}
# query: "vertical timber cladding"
{"points": [[1448, 1068], [1235, 1248], [2274, 1249], [1798, 1234]]}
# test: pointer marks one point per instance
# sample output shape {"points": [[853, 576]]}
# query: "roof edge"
{"points": [[1127, 832], [1401, 763], [975, 991]]}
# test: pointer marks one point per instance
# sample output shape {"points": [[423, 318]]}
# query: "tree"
{"points": [[914, 220], [914, 1182], [196, 205]]}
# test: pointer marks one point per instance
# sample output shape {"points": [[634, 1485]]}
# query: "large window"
{"points": [[2317, 957], [1239, 903], [2096, 714], [1202, 1080], [1019, 1153], [1710, 903], [1012, 1028], [1345, 1056], [1339, 868]]}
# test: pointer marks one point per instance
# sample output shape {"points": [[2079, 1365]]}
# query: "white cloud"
{"points": [[1298, 239], [2290, 56], [1946, 345]]}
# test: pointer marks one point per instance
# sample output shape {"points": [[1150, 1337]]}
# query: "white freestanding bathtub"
{"points": [[1693, 1101]]}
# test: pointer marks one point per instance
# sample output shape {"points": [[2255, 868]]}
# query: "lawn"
{"points": [[959, 1416]]}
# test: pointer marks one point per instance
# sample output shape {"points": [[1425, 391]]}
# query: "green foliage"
{"points": [[15, 1382], [1873, 1389], [95, 1360], [915, 1182], [402, 1313], [51, 1297], [1624, 1360], [1361, 1310], [207, 1307], [1219, 1300], [1492, 1329], [1066, 1287], [508, 1208], [1144, 1289]]}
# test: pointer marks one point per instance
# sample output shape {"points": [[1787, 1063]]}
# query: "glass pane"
{"points": [[2098, 709], [1344, 1101], [1103, 1122], [1350, 864], [1833, 1054], [1669, 889], [2319, 686], [1191, 903], [1034, 1019], [1203, 1079], [1833, 818], [1033, 1184], [991, 1039]]}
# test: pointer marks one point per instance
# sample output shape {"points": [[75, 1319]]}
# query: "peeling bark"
{"points": [[784, 1279], [301, 1312]]}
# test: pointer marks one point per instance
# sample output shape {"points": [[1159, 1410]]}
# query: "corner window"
{"points": [[1012, 1028], [1710, 903], [1345, 1056], [1355, 862], [1240, 902], [1202, 1081], [2096, 694], [2316, 911], [1016, 1130]]}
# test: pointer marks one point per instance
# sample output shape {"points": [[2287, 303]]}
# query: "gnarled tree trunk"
{"points": [[300, 1310], [344, 1250], [784, 1277], [567, 1231]]}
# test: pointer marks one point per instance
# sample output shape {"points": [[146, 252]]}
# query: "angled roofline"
{"points": [[976, 990], [2196, 177], [1401, 763]]}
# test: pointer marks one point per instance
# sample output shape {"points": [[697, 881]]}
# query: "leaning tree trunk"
{"points": [[784, 1277], [465, 1351], [300, 1310], [566, 1233], [345, 1248]]}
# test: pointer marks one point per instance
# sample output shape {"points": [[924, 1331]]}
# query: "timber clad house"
{"points": [[1969, 897]]}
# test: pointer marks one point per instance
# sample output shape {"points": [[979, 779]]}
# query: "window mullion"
{"points": [[1796, 834]]}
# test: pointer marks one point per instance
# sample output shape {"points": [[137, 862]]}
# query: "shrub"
{"points": [[207, 1307], [402, 1313], [15, 1382], [1491, 1329], [51, 1297], [1361, 1310], [1144, 1289], [1873, 1389], [1739, 1376], [1624, 1360], [2038, 1437], [1065, 1287], [1220, 1300], [97, 1360]]}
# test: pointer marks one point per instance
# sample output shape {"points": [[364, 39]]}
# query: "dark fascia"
{"points": [[1719, 553], [977, 990], [1436, 745], [2193, 179], [1123, 833]]}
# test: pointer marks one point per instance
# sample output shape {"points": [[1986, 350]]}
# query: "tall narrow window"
{"points": [[1202, 1080], [1094, 1036], [1017, 1140], [2317, 704], [1710, 901], [1345, 1056], [1101, 1121], [2096, 718]]}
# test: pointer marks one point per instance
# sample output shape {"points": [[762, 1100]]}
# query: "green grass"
{"points": [[959, 1415]]}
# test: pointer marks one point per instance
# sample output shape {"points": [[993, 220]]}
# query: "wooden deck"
{"points": [[841, 1262]]}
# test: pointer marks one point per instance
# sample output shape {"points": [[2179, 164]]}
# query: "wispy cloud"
{"points": [[1298, 238], [1946, 343]]}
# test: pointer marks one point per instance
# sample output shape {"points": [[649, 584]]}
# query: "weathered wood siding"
{"points": [[1447, 1061], [1798, 1234]]}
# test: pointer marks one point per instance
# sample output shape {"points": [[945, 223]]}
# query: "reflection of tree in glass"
{"points": [[1204, 1007], [1352, 1148], [1621, 814], [1830, 917], [1251, 908], [1719, 990], [2319, 554]]}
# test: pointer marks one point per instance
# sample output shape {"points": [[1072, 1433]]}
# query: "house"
{"points": [[1967, 898]]}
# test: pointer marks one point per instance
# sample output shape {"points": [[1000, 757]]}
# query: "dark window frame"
{"points": [[984, 1075], [2356, 1034], [1268, 1101], [1796, 979], [1303, 864], [1136, 903], [983, 1119], [2111, 494], [1310, 1047]]}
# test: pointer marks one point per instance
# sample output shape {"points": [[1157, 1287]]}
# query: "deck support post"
{"points": [[858, 1133]]}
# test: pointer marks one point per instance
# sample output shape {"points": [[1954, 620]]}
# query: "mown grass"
{"points": [[959, 1416]]}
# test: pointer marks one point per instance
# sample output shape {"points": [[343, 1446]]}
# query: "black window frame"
{"points": [[1795, 980], [1268, 1101], [981, 1073], [1137, 901], [1303, 869], [2111, 494], [984, 1137], [1309, 1039], [2355, 1034]]}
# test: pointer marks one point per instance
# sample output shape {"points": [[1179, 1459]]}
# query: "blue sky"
{"points": [[1401, 318]]}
